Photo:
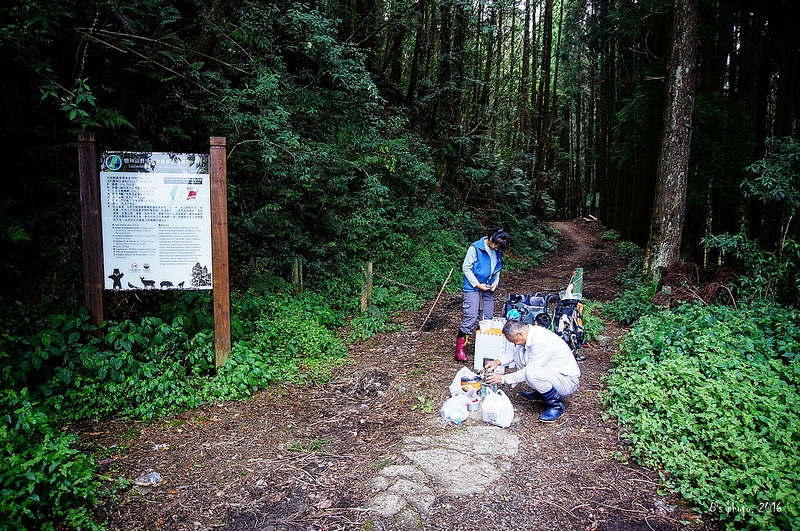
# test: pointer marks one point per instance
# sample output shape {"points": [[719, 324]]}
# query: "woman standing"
{"points": [[481, 268]]}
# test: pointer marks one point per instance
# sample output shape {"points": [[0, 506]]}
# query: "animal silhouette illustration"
{"points": [[116, 276], [180, 284], [131, 286], [148, 284], [166, 284]]}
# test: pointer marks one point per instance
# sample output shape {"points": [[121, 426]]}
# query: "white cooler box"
{"points": [[491, 346]]}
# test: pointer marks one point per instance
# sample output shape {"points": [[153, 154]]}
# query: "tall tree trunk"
{"points": [[787, 42], [510, 140], [592, 161], [442, 110], [496, 91], [416, 58], [607, 108], [578, 168], [524, 91], [364, 34], [461, 19], [544, 88], [392, 65], [483, 102], [666, 229], [451, 79], [551, 120], [533, 113]]}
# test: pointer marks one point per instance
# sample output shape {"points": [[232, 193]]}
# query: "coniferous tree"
{"points": [[666, 229]]}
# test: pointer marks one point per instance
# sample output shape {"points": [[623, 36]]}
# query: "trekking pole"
{"points": [[437, 299]]}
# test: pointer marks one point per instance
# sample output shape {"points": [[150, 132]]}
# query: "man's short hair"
{"points": [[512, 327]]}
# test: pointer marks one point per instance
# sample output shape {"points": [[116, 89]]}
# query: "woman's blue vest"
{"points": [[483, 267]]}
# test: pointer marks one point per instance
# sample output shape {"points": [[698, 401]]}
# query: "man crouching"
{"points": [[544, 361]]}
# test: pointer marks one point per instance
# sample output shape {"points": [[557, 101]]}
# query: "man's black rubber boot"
{"points": [[534, 395], [555, 406]]}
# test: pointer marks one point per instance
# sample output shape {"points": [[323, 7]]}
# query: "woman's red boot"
{"points": [[461, 355]]}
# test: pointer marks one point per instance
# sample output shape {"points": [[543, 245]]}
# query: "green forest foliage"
{"points": [[710, 397]]}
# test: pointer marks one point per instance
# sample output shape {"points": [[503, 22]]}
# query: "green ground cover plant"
{"points": [[592, 324], [609, 235], [633, 304], [635, 301], [710, 396], [40, 471], [631, 276]]}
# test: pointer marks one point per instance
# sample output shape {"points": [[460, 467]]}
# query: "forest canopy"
{"points": [[353, 126]]}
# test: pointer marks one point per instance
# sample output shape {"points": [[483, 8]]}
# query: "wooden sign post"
{"points": [[219, 249], [91, 230], [366, 288]]}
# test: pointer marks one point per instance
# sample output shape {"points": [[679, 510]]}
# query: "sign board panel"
{"points": [[156, 217]]}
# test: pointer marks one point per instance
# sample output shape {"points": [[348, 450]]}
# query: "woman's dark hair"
{"points": [[500, 237]]}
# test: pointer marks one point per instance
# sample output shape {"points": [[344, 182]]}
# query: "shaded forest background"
{"points": [[390, 131]]}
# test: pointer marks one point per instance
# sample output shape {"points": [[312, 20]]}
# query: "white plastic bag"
{"points": [[455, 408], [497, 408], [455, 387]]}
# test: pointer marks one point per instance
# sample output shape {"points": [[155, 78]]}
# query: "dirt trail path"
{"points": [[363, 453]]}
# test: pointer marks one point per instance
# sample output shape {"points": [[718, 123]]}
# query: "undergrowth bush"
{"points": [[609, 235], [282, 339], [772, 271], [632, 304], [631, 275], [635, 301], [592, 323], [710, 396], [369, 323], [139, 369], [43, 479], [766, 275], [62, 373], [152, 367], [531, 238]]}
